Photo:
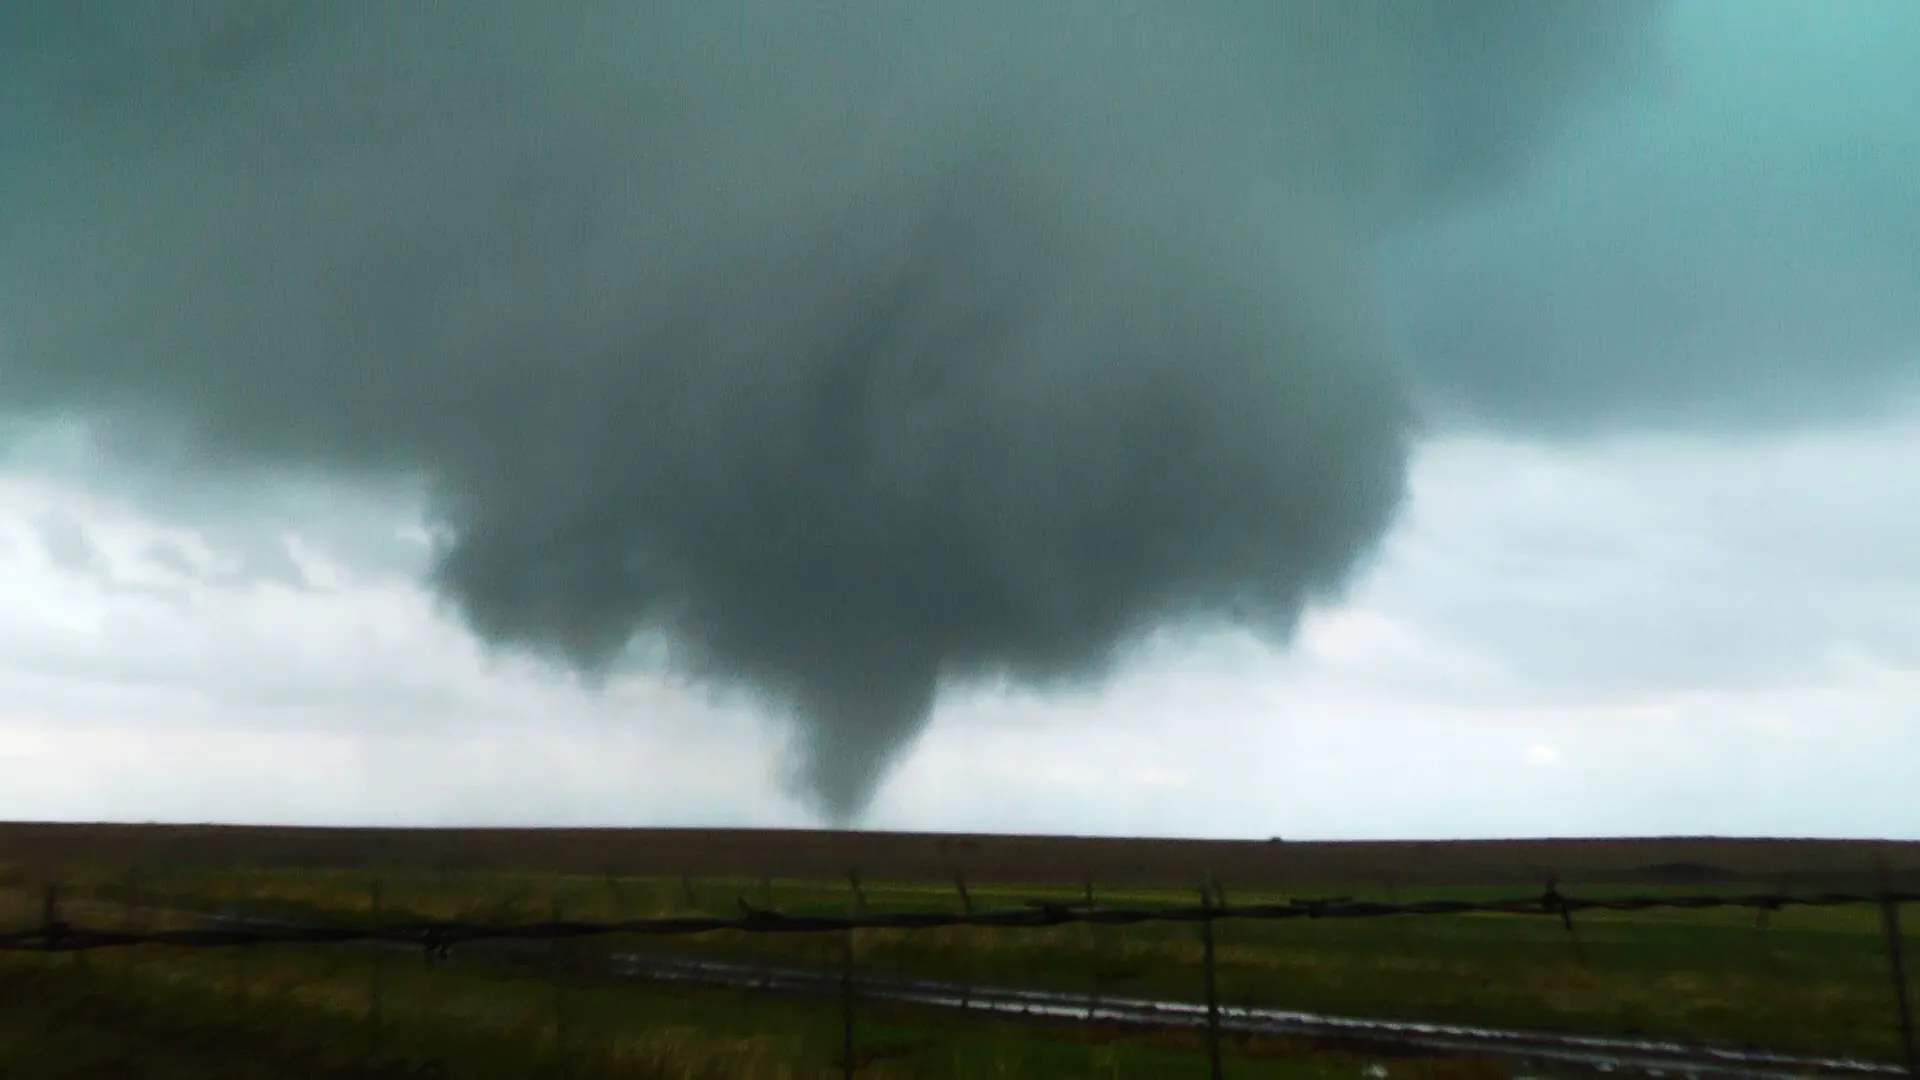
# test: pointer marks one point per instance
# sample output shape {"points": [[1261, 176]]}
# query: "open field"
{"points": [[932, 857], [1814, 982], [303, 1014]]}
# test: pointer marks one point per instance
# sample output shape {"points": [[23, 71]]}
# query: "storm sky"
{"points": [[1320, 419]]}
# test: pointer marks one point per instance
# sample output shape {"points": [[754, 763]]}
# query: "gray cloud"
{"points": [[847, 349], [242, 515], [1735, 249], [68, 546], [173, 559], [1652, 570]]}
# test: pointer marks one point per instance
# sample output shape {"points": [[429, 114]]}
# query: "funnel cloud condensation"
{"points": [[846, 348]]}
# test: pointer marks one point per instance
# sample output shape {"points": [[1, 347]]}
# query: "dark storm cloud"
{"points": [[845, 348]]}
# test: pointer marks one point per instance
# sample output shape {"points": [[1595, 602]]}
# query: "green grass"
{"points": [[305, 1013], [1811, 981], [63, 1020]]}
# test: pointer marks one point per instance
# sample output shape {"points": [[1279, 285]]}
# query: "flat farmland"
{"points": [[1813, 982], [1057, 860]]}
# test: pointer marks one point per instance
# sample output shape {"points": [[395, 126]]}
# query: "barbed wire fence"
{"points": [[436, 938]]}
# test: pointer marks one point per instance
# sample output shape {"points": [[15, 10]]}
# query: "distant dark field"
{"points": [[1814, 982], [908, 856]]}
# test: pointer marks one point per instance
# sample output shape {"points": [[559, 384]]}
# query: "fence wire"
{"points": [[437, 936]]}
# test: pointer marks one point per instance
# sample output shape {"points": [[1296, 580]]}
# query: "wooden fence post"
{"points": [[848, 1064], [1092, 932], [614, 897], [50, 925], [1763, 921], [1213, 986], [966, 907], [1398, 923], [1554, 902], [1763, 915], [130, 902], [239, 922], [859, 894], [78, 959], [1890, 921], [555, 960], [376, 980]]}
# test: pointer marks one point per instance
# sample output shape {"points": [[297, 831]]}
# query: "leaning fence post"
{"points": [[1553, 902], [1213, 986], [1890, 920]]}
